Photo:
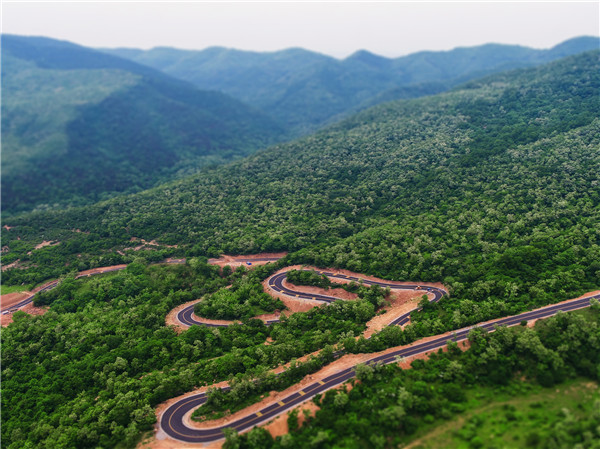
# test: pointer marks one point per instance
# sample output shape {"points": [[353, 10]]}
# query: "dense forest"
{"points": [[304, 90], [89, 372], [486, 188], [490, 188], [79, 125]]}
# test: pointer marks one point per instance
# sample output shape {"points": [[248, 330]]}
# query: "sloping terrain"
{"points": [[490, 189], [487, 188], [79, 125], [305, 90]]}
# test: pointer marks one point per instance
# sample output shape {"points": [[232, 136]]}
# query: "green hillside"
{"points": [[490, 188], [79, 125], [486, 188], [305, 90]]}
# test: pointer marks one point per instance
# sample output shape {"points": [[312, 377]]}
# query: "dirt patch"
{"points": [[293, 305], [15, 264], [337, 292], [401, 302], [279, 425], [238, 261], [11, 299], [30, 309], [46, 243], [145, 244], [102, 270], [151, 242]]}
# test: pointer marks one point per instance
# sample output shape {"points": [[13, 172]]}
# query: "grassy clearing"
{"points": [[505, 421], [6, 289]]}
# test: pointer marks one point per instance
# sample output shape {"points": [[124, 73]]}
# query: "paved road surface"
{"points": [[186, 315], [172, 420]]}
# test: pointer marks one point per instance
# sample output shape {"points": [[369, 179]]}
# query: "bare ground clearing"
{"points": [[237, 261]]}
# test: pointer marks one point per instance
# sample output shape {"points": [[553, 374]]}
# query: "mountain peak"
{"points": [[366, 57]]}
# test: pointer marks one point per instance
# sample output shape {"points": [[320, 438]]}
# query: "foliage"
{"points": [[389, 404], [308, 277], [392, 193], [242, 301], [89, 372], [244, 391]]}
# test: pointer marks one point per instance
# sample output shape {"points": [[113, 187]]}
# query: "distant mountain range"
{"points": [[305, 90], [79, 125]]}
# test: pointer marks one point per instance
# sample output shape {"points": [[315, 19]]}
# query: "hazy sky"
{"points": [[334, 28]]}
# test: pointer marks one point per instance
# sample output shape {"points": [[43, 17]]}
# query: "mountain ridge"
{"points": [[306, 90], [79, 125]]}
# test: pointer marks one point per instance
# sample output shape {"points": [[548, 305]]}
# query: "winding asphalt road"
{"points": [[172, 421], [187, 318]]}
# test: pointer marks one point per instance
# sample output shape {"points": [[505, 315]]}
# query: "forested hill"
{"points": [[305, 90], [79, 125], [491, 188]]}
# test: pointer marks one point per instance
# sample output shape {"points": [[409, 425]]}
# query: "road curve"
{"points": [[172, 420], [53, 284], [186, 315]]}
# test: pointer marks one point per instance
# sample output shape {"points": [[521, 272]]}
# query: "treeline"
{"points": [[386, 404]]}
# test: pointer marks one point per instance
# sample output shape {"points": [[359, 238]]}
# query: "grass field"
{"points": [[513, 420], [6, 289]]}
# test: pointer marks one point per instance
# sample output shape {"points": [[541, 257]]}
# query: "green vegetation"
{"points": [[374, 294], [308, 277], [80, 126], [6, 289], [394, 193], [304, 90], [89, 372], [489, 188], [388, 405], [544, 418], [245, 391], [242, 301]]}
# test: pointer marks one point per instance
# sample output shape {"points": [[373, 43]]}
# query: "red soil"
{"points": [[11, 299], [238, 261], [30, 309]]}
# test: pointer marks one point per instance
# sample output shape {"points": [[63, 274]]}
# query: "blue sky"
{"points": [[334, 28]]}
